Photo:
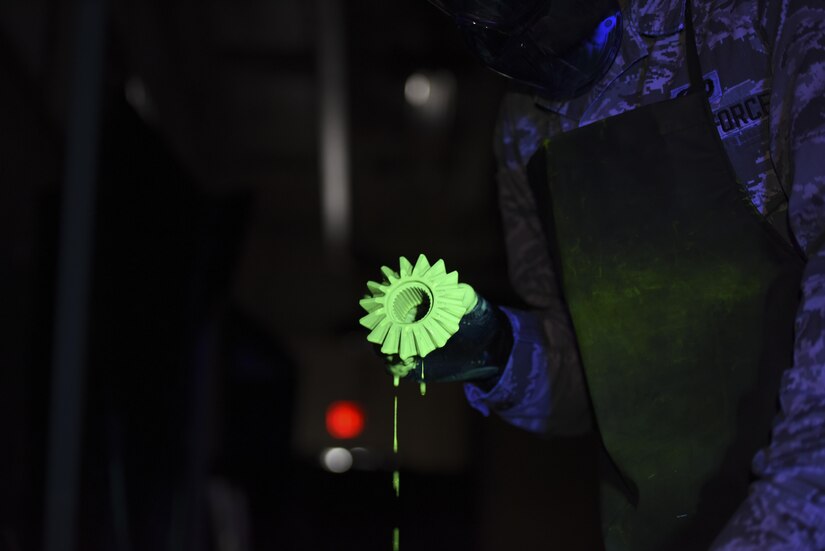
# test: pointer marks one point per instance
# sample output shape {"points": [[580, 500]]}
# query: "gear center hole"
{"points": [[412, 303]]}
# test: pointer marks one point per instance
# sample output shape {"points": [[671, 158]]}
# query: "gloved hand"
{"points": [[430, 327], [477, 352]]}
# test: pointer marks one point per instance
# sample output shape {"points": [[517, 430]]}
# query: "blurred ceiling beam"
{"points": [[334, 127]]}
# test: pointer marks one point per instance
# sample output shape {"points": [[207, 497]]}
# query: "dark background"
{"points": [[222, 319]]}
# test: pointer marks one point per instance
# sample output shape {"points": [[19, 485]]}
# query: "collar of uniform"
{"points": [[632, 49]]}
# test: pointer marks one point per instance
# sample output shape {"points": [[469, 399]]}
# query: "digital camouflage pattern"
{"points": [[764, 68]]}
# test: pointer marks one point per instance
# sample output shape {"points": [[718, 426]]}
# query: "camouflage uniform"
{"points": [[764, 68]]}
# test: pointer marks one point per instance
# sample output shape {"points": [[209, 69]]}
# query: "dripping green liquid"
{"points": [[396, 476]]}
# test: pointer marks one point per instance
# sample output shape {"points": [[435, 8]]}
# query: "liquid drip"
{"points": [[422, 386], [395, 425], [396, 476]]}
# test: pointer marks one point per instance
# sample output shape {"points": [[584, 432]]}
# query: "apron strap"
{"points": [[697, 81]]}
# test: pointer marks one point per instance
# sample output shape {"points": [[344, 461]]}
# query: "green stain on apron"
{"points": [[682, 299]]}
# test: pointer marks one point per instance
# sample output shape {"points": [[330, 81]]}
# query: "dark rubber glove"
{"points": [[477, 352]]}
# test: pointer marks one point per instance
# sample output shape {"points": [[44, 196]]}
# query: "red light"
{"points": [[345, 419]]}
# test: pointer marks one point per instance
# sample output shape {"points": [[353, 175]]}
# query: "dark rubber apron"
{"points": [[682, 298]]}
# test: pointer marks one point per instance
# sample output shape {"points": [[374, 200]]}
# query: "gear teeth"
{"points": [[450, 294], [451, 278], [371, 304], [447, 321], [451, 301], [378, 334], [376, 288], [406, 267], [406, 348], [448, 288], [372, 319], [456, 310], [437, 269], [438, 334], [421, 266], [424, 335], [391, 340], [391, 276], [423, 340]]}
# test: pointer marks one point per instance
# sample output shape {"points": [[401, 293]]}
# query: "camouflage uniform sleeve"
{"points": [[542, 388], [786, 505]]}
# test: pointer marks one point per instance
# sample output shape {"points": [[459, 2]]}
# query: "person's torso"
{"points": [[651, 68], [680, 296]]}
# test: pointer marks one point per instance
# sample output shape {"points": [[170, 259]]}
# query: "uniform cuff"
{"points": [[521, 395]]}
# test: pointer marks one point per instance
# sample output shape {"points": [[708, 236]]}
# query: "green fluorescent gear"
{"points": [[415, 310]]}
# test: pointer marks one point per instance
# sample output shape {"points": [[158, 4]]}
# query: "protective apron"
{"points": [[682, 299]]}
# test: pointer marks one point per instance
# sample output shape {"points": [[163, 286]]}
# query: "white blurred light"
{"points": [[336, 460], [417, 89], [336, 209], [431, 94]]}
